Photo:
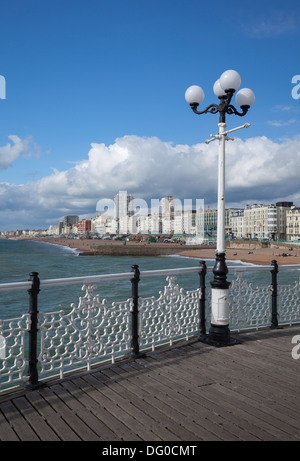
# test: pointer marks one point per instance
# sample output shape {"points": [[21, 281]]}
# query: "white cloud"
{"points": [[257, 168], [282, 108], [11, 151], [278, 123], [277, 24]]}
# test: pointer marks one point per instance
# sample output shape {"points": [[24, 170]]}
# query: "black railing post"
{"points": [[202, 274], [33, 382], [274, 295], [135, 348]]}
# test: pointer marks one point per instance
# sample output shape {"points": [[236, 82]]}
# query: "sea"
{"points": [[20, 257]]}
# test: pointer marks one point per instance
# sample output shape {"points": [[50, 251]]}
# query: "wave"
{"points": [[65, 248], [233, 261]]}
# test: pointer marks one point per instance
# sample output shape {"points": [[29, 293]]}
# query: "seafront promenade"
{"points": [[185, 393]]}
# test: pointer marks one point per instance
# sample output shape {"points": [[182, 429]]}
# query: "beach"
{"points": [[248, 253], [260, 256]]}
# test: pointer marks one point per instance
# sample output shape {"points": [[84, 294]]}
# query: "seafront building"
{"points": [[280, 221], [293, 223], [122, 205], [260, 221], [84, 226], [211, 219]]}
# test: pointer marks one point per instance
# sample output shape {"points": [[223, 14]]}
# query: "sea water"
{"points": [[19, 258]]}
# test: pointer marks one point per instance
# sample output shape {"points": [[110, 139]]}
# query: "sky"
{"points": [[94, 104]]}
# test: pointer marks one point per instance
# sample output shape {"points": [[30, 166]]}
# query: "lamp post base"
{"points": [[219, 333], [219, 336]]}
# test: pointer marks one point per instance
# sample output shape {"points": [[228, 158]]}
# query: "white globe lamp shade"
{"points": [[194, 95], [230, 80], [218, 90], [245, 97]]}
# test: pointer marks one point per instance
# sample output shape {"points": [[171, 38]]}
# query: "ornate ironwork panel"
{"points": [[13, 363], [249, 306], [90, 333], [289, 303], [173, 315]]}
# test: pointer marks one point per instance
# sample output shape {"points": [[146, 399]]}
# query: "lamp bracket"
{"points": [[218, 136]]}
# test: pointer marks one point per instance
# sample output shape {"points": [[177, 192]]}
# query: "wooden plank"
{"points": [[54, 420], [134, 407], [70, 417], [249, 378], [99, 426], [236, 366], [262, 411], [38, 423], [193, 400], [177, 425], [146, 402], [18, 423], [256, 417], [265, 363], [99, 429], [127, 419], [191, 414], [7, 434], [94, 402]]}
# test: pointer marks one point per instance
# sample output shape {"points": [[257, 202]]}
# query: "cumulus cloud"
{"points": [[279, 123], [12, 150], [257, 168], [277, 24]]}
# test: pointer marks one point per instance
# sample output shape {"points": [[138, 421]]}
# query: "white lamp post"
{"points": [[224, 88]]}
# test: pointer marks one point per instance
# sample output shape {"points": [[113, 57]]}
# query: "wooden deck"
{"points": [[189, 392]]}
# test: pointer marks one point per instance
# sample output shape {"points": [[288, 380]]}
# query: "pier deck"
{"points": [[188, 392]]}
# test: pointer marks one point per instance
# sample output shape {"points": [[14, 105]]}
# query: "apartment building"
{"points": [[237, 223], [282, 209], [122, 204], [261, 221], [293, 224], [210, 219], [84, 226]]}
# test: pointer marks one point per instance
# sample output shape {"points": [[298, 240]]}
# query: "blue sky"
{"points": [[95, 99]]}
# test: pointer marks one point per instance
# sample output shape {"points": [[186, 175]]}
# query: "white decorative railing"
{"points": [[171, 316], [90, 332], [41, 345]]}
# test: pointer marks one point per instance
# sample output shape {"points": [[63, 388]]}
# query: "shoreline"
{"points": [[257, 256]]}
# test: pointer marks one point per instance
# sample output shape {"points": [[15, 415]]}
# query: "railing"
{"points": [[40, 345]]}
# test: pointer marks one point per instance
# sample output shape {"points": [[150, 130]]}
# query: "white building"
{"points": [[260, 221], [293, 223], [53, 230], [122, 204], [238, 223], [101, 224]]}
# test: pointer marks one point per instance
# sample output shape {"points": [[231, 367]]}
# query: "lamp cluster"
{"points": [[224, 88]]}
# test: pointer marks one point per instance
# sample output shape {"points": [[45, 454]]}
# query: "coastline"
{"points": [[257, 256]]}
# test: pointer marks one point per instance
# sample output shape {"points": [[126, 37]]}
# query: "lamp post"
{"points": [[224, 88]]}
